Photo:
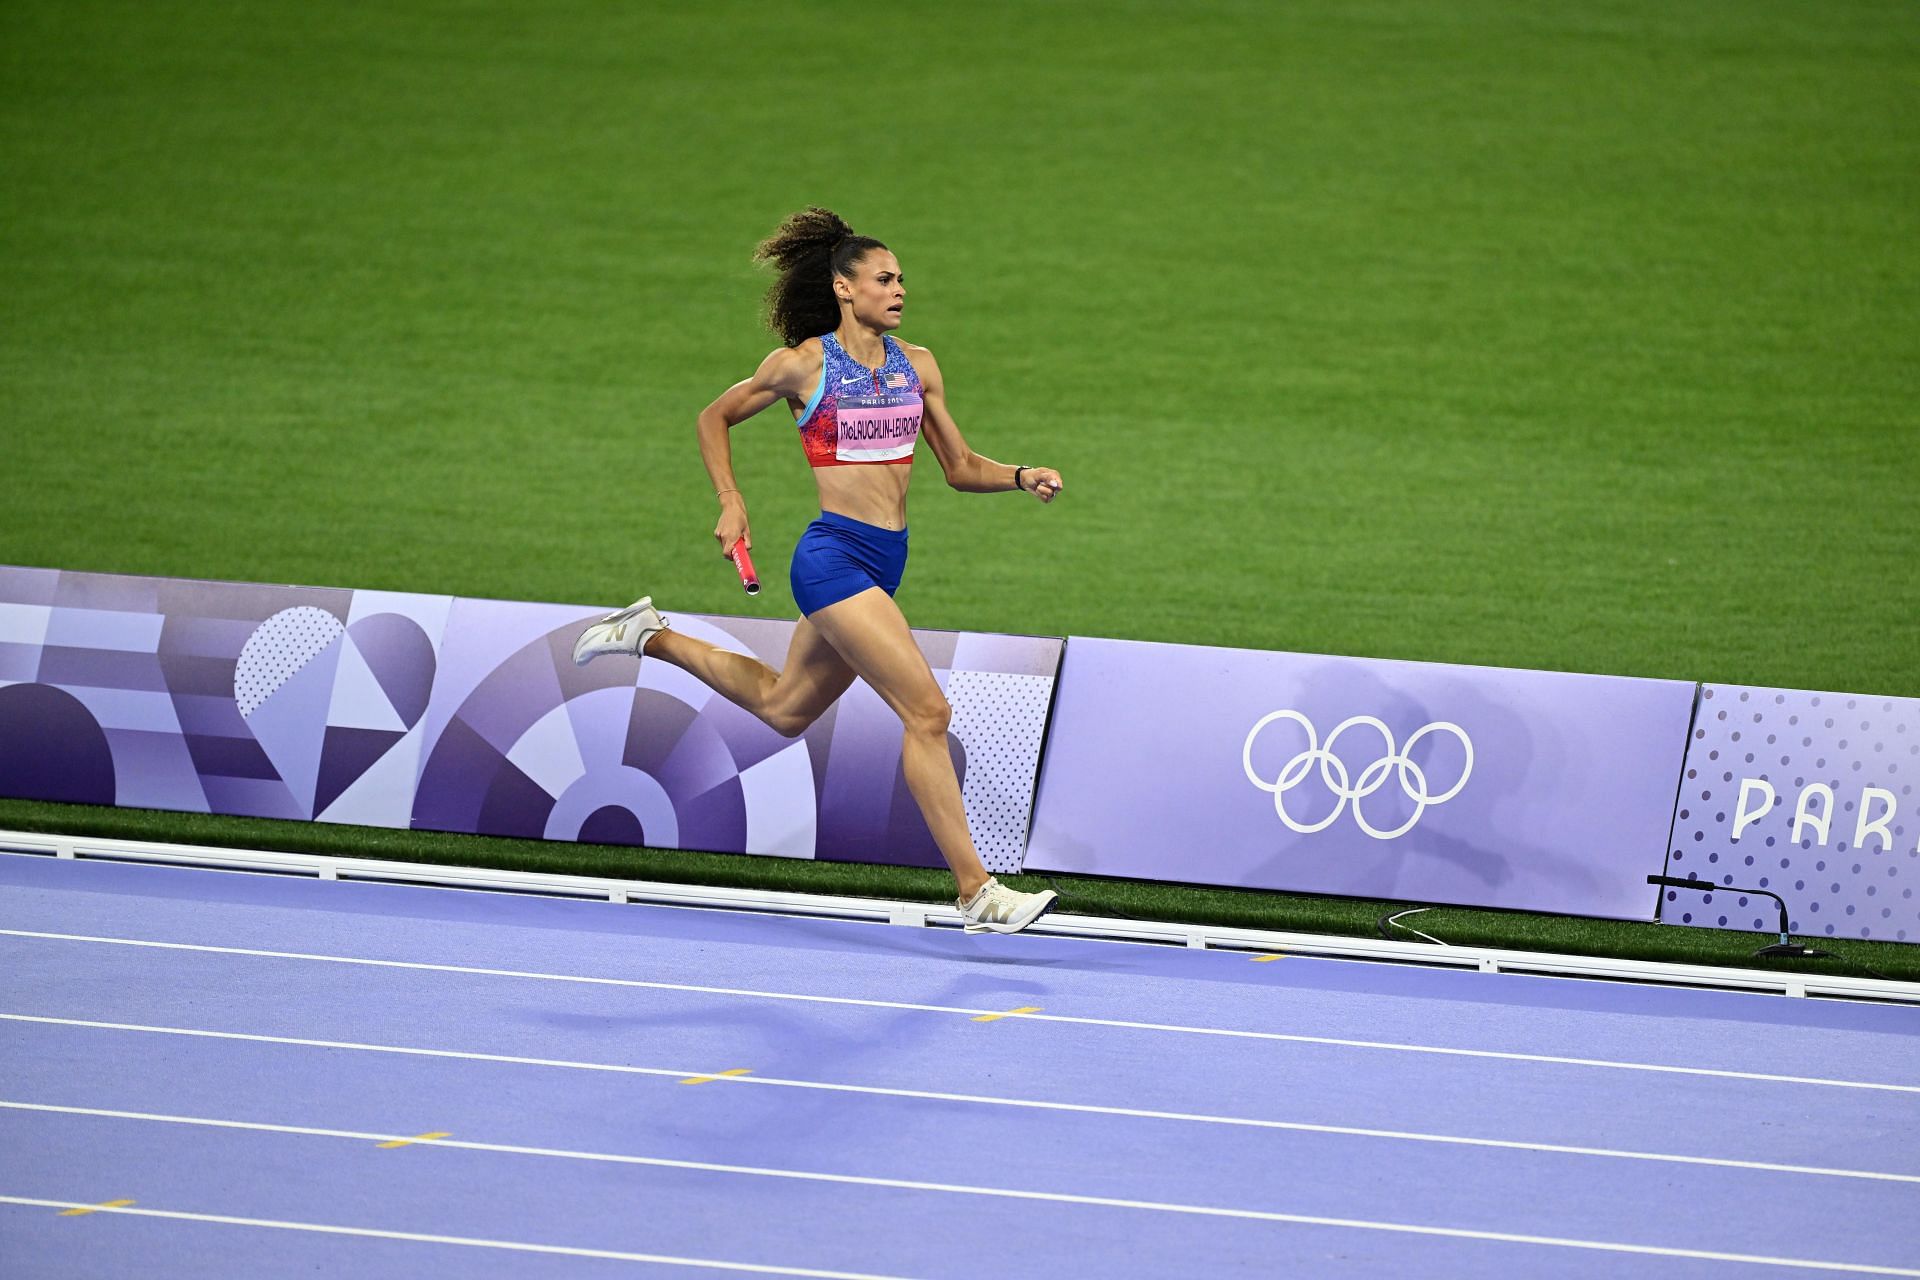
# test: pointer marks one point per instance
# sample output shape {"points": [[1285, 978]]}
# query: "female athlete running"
{"points": [[861, 400]]}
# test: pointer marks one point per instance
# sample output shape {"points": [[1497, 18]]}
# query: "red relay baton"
{"points": [[744, 563]]}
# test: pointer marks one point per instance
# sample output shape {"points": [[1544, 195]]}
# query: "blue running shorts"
{"points": [[839, 556]]}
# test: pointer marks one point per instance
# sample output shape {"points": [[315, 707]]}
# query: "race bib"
{"points": [[876, 428]]}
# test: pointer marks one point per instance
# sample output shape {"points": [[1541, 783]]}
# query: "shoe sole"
{"points": [[1053, 900]]}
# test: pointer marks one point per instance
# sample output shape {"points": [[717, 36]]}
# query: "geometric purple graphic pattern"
{"points": [[522, 742], [1807, 794], [220, 697], [392, 709], [51, 747]]}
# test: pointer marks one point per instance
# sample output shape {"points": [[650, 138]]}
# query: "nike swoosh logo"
{"points": [[855, 378]]}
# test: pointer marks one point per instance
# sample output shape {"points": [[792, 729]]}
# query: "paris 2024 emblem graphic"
{"points": [[1383, 814]]}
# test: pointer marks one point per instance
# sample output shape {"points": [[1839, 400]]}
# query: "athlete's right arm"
{"points": [[779, 377]]}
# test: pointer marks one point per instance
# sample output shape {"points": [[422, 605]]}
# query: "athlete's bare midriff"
{"points": [[872, 495]]}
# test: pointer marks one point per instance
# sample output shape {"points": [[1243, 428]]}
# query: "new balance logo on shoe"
{"points": [[609, 635], [999, 909], [997, 912]]}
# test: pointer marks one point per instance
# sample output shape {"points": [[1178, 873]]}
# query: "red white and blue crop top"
{"points": [[861, 415]]}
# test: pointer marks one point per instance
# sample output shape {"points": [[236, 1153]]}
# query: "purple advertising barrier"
{"points": [[385, 709], [1405, 780], [522, 742], [1809, 795], [214, 697]]}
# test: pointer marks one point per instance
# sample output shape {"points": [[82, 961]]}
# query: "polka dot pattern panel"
{"points": [[1812, 796], [1000, 718], [278, 649]]}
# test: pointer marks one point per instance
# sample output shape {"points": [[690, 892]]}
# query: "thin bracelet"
{"points": [[718, 492], [1016, 479]]}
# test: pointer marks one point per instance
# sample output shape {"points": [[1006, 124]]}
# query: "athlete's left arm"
{"points": [[966, 470]]}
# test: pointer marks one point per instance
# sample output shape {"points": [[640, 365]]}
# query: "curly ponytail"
{"points": [[808, 250]]}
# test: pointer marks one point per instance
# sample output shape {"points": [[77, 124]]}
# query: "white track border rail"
{"points": [[921, 914]]}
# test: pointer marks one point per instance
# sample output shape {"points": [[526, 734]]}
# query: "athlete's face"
{"points": [[877, 292]]}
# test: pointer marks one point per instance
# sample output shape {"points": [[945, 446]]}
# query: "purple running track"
{"points": [[240, 1046]]}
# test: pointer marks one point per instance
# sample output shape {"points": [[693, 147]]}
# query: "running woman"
{"points": [[861, 400]]}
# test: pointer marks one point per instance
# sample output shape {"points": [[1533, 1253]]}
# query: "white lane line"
{"points": [[1010, 1193], [1085, 1108], [517, 1246], [1234, 1033]]}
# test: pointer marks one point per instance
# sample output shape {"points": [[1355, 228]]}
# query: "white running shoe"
{"points": [[998, 909], [625, 631]]}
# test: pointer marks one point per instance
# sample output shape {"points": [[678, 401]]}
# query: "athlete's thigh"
{"points": [[871, 633], [815, 673]]}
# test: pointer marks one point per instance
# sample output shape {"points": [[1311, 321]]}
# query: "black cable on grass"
{"points": [[1785, 947]]}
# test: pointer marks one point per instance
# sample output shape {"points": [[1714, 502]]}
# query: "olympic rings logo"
{"points": [[1333, 771]]}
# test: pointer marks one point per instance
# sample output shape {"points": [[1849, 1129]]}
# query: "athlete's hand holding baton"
{"points": [[735, 540], [744, 563]]}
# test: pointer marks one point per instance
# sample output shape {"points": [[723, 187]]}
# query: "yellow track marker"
{"points": [[418, 1137], [718, 1075], [1271, 955], [995, 1017], [104, 1204]]}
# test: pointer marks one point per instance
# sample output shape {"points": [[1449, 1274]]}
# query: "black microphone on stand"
{"points": [[1784, 947]]}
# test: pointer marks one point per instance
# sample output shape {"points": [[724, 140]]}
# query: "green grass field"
{"points": [[1579, 337]]}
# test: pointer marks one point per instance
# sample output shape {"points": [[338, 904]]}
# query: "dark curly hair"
{"points": [[808, 250]]}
